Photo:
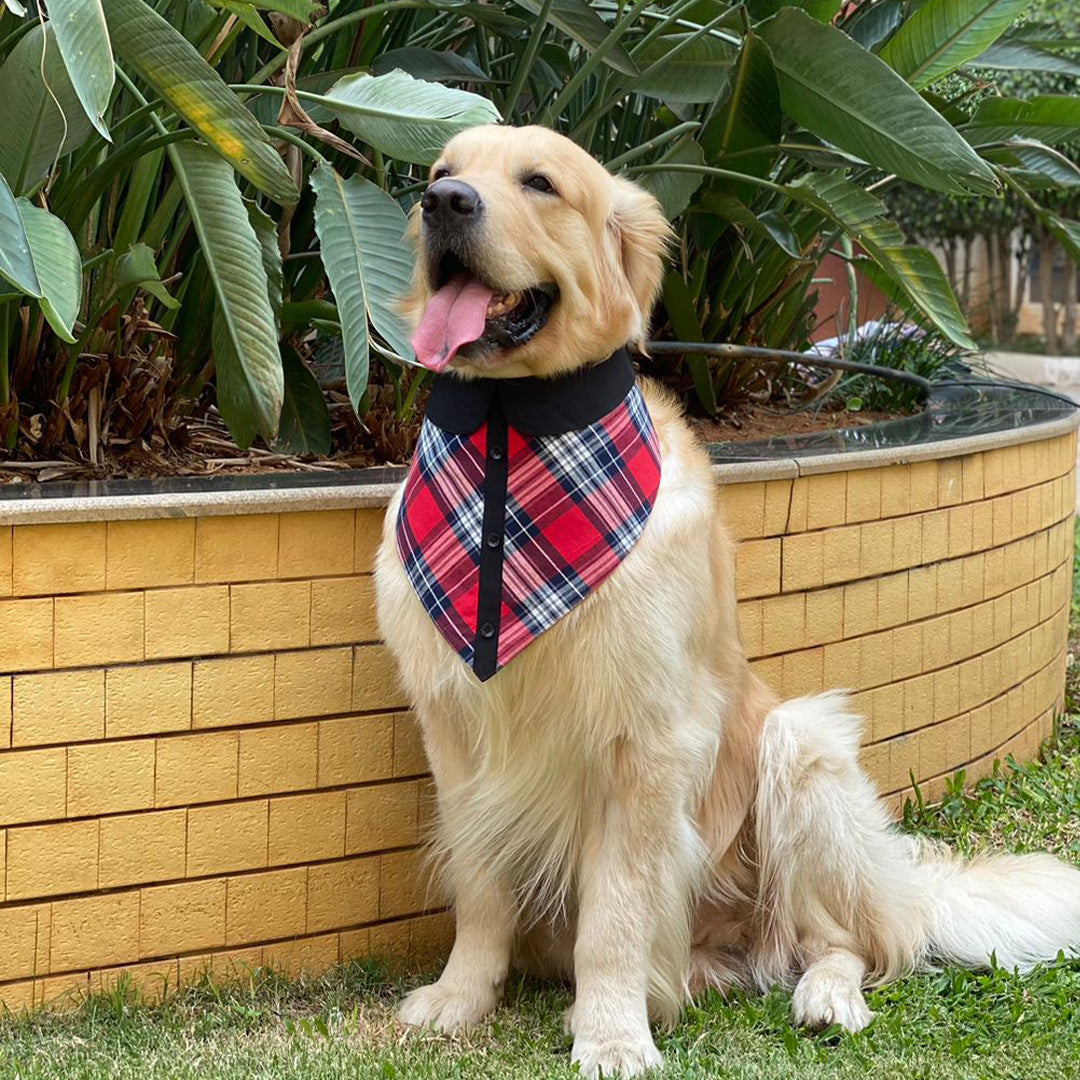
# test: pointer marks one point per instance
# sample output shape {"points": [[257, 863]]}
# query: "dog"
{"points": [[621, 802]]}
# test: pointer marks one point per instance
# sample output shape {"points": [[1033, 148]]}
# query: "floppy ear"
{"points": [[642, 235]]}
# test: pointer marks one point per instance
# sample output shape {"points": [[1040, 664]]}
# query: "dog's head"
{"points": [[532, 258]]}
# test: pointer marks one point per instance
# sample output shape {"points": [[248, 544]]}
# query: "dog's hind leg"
{"points": [[471, 984], [830, 992]]}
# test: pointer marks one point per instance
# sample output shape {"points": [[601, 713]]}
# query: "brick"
{"points": [[196, 768], [227, 838], [270, 615], [950, 481], [182, 917], [54, 559], [305, 828], [895, 491], [840, 555], [860, 608], [109, 778], [343, 611], [94, 931], [803, 566], [187, 622], [33, 785], [352, 945], [304, 956], [261, 907], [150, 553], [403, 884], [312, 683], [892, 605], [369, 526], [139, 848], [757, 568], [47, 860], [382, 816], [777, 506], [5, 560], [236, 548], [797, 506], [935, 536], [62, 992], [783, 623], [355, 750], [842, 662], [24, 930], [961, 523], [58, 707], [104, 629], [826, 500], [919, 703], [316, 543], [232, 691], [863, 495], [6, 723], [876, 548], [26, 634], [876, 659], [343, 894], [923, 486], [409, 756], [391, 943], [376, 684], [147, 699], [17, 999], [801, 673], [824, 616], [886, 711], [278, 759], [742, 507], [749, 615], [431, 939], [950, 586], [907, 542]]}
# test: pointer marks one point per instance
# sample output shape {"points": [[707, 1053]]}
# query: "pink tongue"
{"points": [[454, 316]]}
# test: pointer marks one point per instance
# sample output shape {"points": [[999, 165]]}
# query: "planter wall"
{"points": [[205, 762]]}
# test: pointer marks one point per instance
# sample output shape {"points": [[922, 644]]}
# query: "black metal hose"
{"points": [[753, 352]]}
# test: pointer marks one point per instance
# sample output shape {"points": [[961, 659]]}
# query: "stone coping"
{"points": [[271, 493]]}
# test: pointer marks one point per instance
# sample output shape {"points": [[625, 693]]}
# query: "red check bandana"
{"points": [[502, 531]]}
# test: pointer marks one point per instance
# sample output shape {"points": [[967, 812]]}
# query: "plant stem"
{"points": [[527, 60]]}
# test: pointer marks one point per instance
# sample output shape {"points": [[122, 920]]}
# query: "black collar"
{"points": [[532, 405]]}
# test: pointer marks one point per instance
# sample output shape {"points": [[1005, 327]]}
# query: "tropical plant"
{"points": [[206, 202]]}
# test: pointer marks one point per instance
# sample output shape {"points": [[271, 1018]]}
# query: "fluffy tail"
{"points": [[834, 873]]}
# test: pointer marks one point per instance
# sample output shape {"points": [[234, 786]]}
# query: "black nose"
{"points": [[449, 203]]}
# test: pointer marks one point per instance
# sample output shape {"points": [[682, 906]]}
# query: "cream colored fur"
{"points": [[625, 803]]}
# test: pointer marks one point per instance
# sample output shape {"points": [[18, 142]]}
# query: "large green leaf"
{"points": [[301, 10], [174, 68], [679, 305], [683, 68], [873, 23], [1022, 56], [1052, 119], [16, 262], [1036, 166], [305, 420], [369, 263], [435, 65], [250, 383], [137, 268], [822, 10], [674, 190], [749, 113], [33, 132], [847, 96], [912, 275], [404, 117], [944, 34], [57, 266], [83, 38], [578, 19]]}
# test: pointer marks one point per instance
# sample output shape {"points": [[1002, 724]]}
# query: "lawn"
{"points": [[950, 1024]]}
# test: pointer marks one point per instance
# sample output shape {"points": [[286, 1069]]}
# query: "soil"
{"points": [[203, 447]]}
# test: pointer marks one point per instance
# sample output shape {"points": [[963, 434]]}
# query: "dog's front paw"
{"points": [[447, 1007], [624, 1056], [821, 1000]]}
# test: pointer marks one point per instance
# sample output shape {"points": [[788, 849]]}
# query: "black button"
{"points": [[496, 452], [487, 630], [494, 539]]}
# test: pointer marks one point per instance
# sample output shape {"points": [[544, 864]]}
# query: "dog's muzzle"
{"points": [[451, 205]]}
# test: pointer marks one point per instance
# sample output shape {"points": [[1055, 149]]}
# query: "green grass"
{"points": [[340, 1027]]}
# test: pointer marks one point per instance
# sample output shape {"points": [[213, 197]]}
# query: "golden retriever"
{"points": [[625, 804]]}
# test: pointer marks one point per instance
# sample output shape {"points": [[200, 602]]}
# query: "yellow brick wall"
{"points": [[206, 765]]}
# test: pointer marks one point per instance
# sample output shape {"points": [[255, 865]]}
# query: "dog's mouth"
{"points": [[466, 315]]}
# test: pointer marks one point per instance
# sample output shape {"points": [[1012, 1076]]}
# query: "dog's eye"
{"points": [[539, 182], [439, 173]]}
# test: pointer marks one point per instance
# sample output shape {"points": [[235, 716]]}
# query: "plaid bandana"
{"points": [[523, 495]]}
